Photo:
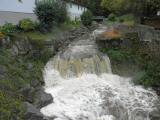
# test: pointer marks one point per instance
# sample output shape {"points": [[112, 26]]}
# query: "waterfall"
{"points": [[83, 87]]}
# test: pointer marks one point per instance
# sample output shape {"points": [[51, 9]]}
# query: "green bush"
{"points": [[145, 57], [50, 11], [60, 12], [112, 17], [151, 76], [70, 23], [86, 18], [27, 25], [127, 19], [8, 28]]}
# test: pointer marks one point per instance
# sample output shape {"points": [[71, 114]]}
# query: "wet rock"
{"points": [[5, 42], [30, 66], [155, 115], [14, 50], [35, 54], [62, 40], [42, 99], [31, 113], [147, 33], [28, 93], [94, 26], [21, 46], [35, 83], [157, 89], [2, 71]]}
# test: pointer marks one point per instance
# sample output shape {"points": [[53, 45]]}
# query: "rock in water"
{"points": [[42, 99], [31, 112]]}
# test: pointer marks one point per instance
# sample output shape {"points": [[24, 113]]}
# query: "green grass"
{"points": [[124, 19], [129, 23], [36, 35]]}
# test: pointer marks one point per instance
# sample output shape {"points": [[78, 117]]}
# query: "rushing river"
{"points": [[84, 88]]}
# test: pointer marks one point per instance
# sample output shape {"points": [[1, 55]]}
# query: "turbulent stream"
{"points": [[83, 87]]}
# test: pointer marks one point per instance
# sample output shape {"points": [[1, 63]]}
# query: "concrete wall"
{"points": [[15, 17]]}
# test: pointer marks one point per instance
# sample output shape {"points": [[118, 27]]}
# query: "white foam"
{"points": [[92, 97]]}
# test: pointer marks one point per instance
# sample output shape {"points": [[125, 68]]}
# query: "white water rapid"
{"points": [[84, 88]]}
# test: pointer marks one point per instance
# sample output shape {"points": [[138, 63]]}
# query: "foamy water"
{"points": [[95, 93]]}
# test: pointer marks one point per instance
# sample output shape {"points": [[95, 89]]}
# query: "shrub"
{"points": [[26, 25], [50, 11], [86, 18], [8, 28], [60, 12], [70, 23], [1, 35], [127, 19], [117, 55], [112, 17]]}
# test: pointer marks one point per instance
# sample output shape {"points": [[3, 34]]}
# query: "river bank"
{"points": [[21, 80], [22, 63], [134, 53]]}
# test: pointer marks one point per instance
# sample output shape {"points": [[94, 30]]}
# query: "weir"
{"points": [[83, 87]]}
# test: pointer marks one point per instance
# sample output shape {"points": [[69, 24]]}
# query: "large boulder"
{"points": [[20, 46], [31, 113], [109, 39], [42, 99], [28, 93], [147, 33], [61, 40], [2, 71]]}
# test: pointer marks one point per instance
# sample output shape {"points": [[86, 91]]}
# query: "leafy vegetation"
{"points": [[18, 72], [50, 11], [27, 25], [142, 60], [10, 107], [112, 17], [86, 18], [72, 24], [137, 7], [8, 28], [127, 19], [2, 35]]}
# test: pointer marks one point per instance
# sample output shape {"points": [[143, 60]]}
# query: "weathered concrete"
{"points": [[15, 17]]}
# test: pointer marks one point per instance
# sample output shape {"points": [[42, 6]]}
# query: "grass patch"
{"points": [[36, 35], [129, 23], [125, 19]]}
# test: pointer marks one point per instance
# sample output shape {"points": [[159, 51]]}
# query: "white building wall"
{"points": [[75, 11]]}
